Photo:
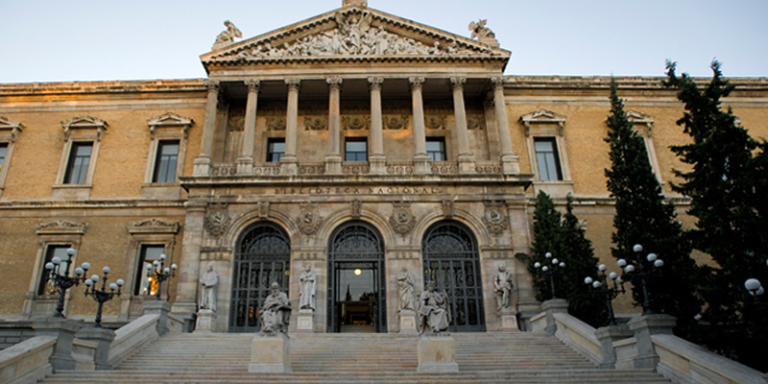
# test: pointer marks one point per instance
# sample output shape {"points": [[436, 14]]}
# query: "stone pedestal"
{"points": [[289, 167], [161, 308], [378, 165], [202, 166], [510, 164], [206, 321], [437, 354], [305, 321], [245, 166], [607, 335], [61, 358], [467, 165], [422, 165], [103, 338], [408, 321], [644, 327], [270, 354], [508, 320], [333, 165], [551, 307]]}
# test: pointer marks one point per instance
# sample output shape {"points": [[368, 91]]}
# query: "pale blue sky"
{"points": [[46, 40]]}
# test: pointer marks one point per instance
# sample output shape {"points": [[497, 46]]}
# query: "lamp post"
{"points": [[641, 275], [102, 296], [607, 292], [58, 273], [160, 273], [756, 290], [550, 272]]}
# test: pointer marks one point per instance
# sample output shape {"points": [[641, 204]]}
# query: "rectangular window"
{"points": [[145, 284], [77, 167], [3, 151], [356, 149], [60, 251], [165, 164], [547, 159], [275, 150], [436, 148]]}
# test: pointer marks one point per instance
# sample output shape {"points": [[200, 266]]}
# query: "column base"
{"points": [[102, 337], [509, 320], [206, 321], [289, 166], [467, 165], [510, 164], [333, 165], [202, 166], [270, 354], [378, 165], [422, 164], [437, 354], [305, 322], [408, 322], [245, 166]]}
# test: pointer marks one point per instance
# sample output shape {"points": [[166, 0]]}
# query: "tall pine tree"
{"points": [[644, 216], [727, 183], [546, 238]]}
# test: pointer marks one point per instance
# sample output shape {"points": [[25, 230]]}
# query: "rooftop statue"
{"points": [[482, 33], [227, 37]]}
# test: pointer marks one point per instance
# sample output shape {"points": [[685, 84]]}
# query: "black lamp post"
{"points": [[757, 291], [550, 272], [102, 296], [58, 274], [157, 271], [607, 292], [641, 275]]}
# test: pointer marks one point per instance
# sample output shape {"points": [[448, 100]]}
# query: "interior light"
{"points": [[358, 272]]}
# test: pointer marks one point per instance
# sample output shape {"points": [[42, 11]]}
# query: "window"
{"points": [[3, 151], [436, 148], [356, 149], [60, 251], [77, 167], [547, 159], [275, 150], [165, 164], [145, 284]]}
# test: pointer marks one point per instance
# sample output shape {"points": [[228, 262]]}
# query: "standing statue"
{"points": [[308, 285], [209, 282], [405, 284], [227, 37], [276, 312], [502, 284], [434, 314]]}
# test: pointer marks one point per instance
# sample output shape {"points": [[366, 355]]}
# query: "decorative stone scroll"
{"points": [[276, 124], [494, 218], [396, 122], [402, 220], [355, 123], [217, 219], [315, 123], [309, 219]]}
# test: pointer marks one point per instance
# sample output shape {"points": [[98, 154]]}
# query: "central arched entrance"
{"points": [[356, 279]]}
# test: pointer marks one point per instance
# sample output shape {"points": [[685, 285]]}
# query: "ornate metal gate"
{"points": [[356, 246], [262, 256], [452, 261]]}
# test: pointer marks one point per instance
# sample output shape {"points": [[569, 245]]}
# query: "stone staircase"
{"points": [[357, 358]]}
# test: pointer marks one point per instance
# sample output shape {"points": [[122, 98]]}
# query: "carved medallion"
{"points": [[475, 122], [315, 123], [309, 219], [217, 219], [396, 122], [356, 205], [435, 122], [275, 124], [494, 217], [355, 123], [402, 220]]}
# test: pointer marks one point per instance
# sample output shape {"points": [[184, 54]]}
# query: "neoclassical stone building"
{"points": [[356, 142]]}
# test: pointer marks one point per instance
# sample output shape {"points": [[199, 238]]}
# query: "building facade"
{"points": [[356, 142]]}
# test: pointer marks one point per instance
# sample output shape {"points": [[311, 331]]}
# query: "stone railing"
{"points": [[311, 169], [445, 168], [355, 168], [400, 168], [84, 352], [268, 169], [579, 336], [28, 361], [131, 337], [488, 168]]}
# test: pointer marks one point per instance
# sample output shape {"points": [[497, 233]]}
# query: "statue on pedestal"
{"points": [[502, 284], [209, 281], [405, 285], [308, 285], [276, 312], [434, 313]]}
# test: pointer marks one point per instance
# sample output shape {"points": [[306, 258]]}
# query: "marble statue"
{"points": [[308, 286], [502, 284], [405, 284], [434, 313], [276, 312], [227, 37], [209, 281]]}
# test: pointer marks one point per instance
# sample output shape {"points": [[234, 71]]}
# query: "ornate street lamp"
{"points": [[58, 274], [102, 296], [607, 292], [550, 272], [641, 275], [157, 271]]}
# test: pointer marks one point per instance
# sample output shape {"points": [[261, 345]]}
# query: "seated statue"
{"points": [[276, 312], [434, 313]]}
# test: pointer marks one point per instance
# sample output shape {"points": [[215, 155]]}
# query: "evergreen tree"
{"points": [[546, 238], [727, 185], [643, 216]]}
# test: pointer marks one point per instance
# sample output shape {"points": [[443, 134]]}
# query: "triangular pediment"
{"points": [[83, 122], [638, 117], [6, 123], [543, 116], [354, 32], [169, 118]]}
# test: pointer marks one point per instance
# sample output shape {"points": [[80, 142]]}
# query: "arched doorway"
{"points": [[356, 279], [262, 256], [452, 261]]}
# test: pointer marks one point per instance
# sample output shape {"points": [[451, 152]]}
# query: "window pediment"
{"points": [[13, 128], [153, 226], [61, 227], [169, 120], [84, 122], [640, 118], [543, 116]]}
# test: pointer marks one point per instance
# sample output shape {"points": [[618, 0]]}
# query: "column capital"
{"points": [[498, 82], [416, 82], [375, 82], [252, 84], [293, 83], [334, 82], [212, 85], [458, 82]]}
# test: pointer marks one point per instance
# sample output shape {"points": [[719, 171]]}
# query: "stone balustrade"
{"points": [[133, 336], [579, 336], [28, 361]]}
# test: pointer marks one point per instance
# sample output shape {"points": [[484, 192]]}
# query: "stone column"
{"points": [[420, 159], [203, 161], [333, 158], [509, 161], [644, 327], [377, 161], [466, 157], [245, 162], [289, 166], [189, 264]]}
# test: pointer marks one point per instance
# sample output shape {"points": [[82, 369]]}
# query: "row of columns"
{"points": [[377, 159]]}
